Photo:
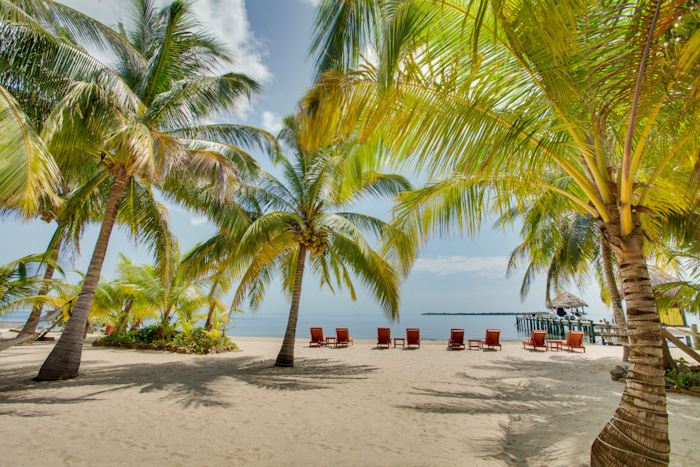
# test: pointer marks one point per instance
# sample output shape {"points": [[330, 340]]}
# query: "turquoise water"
{"points": [[362, 325]]}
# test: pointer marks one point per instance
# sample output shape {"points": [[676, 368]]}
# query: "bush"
{"points": [[147, 334], [683, 376], [197, 341], [202, 342]]}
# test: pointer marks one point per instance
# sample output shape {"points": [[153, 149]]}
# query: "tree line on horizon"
{"points": [[578, 121]]}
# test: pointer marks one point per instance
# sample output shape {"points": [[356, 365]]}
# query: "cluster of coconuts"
{"points": [[315, 241]]}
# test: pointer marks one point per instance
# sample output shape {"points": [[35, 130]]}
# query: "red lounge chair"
{"points": [[537, 339], [574, 341], [383, 337], [317, 339], [342, 337], [492, 339], [456, 341], [412, 337]]}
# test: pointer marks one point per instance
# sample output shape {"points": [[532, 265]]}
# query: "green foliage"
{"points": [[683, 377], [202, 342], [197, 341]]}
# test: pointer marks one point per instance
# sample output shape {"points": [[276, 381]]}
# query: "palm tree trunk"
{"points": [[124, 317], [212, 308], [210, 317], [32, 323], [615, 298], [286, 355], [64, 360], [637, 434], [163, 329]]}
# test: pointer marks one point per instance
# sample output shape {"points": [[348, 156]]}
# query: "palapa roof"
{"points": [[658, 277], [566, 300]]}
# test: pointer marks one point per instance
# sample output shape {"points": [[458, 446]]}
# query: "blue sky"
{"points": [[270, 40]]}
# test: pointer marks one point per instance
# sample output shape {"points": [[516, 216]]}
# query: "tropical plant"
{"points": [[19, 282], [596, 101], [283, 225], [145, 132]]}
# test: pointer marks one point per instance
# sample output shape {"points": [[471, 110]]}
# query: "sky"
{"points": [[270, 40]]}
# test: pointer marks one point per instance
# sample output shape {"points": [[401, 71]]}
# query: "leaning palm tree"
{"points": [[601, 96], [284, 225], [146, 133], [42, 55]]}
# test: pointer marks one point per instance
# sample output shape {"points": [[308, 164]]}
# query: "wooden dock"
{"points": [[603, 331], [559, 328]]}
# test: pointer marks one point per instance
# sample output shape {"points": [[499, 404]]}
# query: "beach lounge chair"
{"points": [[412, 337], [342, 337], [536, 340], [317, 339], [574, 341], [383, 337], [456, 341], [492, 339]]}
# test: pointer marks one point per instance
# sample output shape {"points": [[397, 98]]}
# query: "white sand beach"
{"points": [[346, 407]]}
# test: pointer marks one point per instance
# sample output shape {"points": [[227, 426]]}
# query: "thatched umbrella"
{"points": [[567, 300]]}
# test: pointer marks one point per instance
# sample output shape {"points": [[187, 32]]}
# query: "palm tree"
{"points": [[144, 132], [42, 56], [281, 226], [600, 96]]}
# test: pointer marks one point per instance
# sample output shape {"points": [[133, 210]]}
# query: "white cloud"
{"points": [[271, 122], [197, 221], [486, 266], [225, 19], [228, 20], [313, 3]]}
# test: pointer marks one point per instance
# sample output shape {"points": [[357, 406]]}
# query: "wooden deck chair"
{"points": [[317, 339], [536, 340], [456, 341], [575, 341], [412, 338], [342, 337], [383, 337], [492, 339]]}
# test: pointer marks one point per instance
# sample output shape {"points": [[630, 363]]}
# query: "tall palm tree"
{"points": [[42, 56], [146, 132], [599, 95], [285, 225]]}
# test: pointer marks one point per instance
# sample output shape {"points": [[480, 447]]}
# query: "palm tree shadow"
{"points": [[187, 383], [542, 403]]}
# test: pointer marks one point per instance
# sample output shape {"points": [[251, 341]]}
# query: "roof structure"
{"points": [[566, 300]]}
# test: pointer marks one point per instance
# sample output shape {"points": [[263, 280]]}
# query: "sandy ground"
{"points": [[357, 407]]}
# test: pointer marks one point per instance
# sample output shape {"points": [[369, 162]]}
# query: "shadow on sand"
{"points": [[546, 405], [188, 383]]}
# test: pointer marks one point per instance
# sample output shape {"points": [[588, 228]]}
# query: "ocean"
{"points": [[362, 325]]}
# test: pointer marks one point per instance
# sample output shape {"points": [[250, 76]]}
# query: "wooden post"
{"points": [[680, 344], [696, 337]]}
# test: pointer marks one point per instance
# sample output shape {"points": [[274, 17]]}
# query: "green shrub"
{"points": [[202, 342], [147, 334], [197, 341], [683, 376]]}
